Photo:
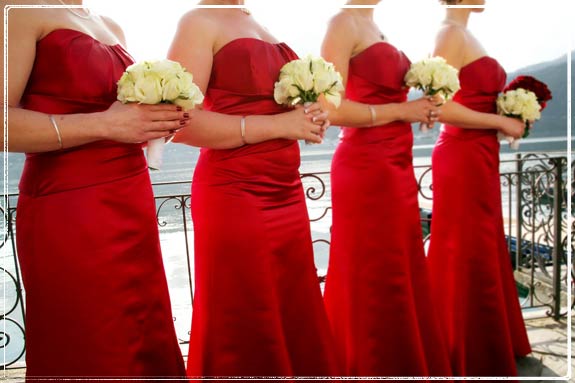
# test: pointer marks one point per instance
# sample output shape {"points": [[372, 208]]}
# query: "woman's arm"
{"points": [[193, 47], [456, 114], [31, 131], [338, 47], [450, 44]]}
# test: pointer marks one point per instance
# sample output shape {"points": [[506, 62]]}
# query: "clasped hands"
{"points": [[317, 116], [431, 110]]}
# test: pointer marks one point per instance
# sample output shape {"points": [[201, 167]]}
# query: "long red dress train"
{"points": [[97, 301], [377, 289], [257, 306], [469, 262]]}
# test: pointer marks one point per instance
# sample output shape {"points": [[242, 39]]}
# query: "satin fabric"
{"points": [[257, 306], [471, 271], [97, 301], [377, 289]]}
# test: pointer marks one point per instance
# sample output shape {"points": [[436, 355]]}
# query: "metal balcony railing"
{"points": [[535, 202]]}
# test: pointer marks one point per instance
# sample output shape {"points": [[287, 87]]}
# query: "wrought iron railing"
{"points": [[534, 200]]}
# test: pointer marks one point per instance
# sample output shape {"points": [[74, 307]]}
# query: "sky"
{"points": [[516, 32]]}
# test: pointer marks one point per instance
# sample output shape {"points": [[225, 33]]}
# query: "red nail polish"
{"points": [[182, 122], [179, 108], [186, 115]]}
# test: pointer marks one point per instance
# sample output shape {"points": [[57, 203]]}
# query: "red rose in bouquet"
{"points": [[531, 84]]}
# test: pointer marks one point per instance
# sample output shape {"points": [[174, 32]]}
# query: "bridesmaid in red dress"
{"points": [[258, 309], [469, 262], [377, 288], [97, 301]]}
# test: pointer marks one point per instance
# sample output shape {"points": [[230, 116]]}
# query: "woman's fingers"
{"points": [[436, 100], [162, 107], [313, 128], [168, 115], [319, 117], [167, 126], [313, 138], [433, 115], [313, 108]]}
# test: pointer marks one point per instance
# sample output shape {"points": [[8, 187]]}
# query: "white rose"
{"points": [[139, 70], [281, 90], [126, 91], [440, 80], [322, 83], [501, 104], [412, 76], [166, 68], [302, 76], [149, 89], [171, 88], [194, 93], [190, 98], [334, 98]]}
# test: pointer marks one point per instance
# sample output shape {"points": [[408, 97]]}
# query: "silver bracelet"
{"points": [[57, 132], [243, 129], [373, 115]]}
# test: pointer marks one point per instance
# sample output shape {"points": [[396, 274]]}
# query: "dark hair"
{"points": [[449, 2]]}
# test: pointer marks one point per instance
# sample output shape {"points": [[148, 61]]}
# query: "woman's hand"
{"points": [[303, 123], [135, 123], [319, 115], [513, 127], [422, 110]]}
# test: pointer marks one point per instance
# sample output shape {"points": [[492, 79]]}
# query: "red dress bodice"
{"points": [[74, 73], [376, 76], [481, 82]]}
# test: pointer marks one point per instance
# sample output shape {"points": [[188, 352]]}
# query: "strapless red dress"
{"points": [[258, 308], [97, 301], [377, 289], [470, 266]]}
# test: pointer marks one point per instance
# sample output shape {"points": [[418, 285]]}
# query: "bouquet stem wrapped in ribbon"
{"points": [[155, 82], [302, 81], [433, 76], [524, 98]]}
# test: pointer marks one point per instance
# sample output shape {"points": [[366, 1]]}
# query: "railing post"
{"points": [[518, 214], [557, 248]]}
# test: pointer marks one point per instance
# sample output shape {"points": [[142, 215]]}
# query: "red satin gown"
{"points": [[258, 308], [97, 301], [469, 262], [377, 288]]}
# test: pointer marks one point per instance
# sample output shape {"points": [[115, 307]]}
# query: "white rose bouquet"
{"points": [[433, 76], [524, 98], [154, 82], [518, 103], [304, 80]]}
